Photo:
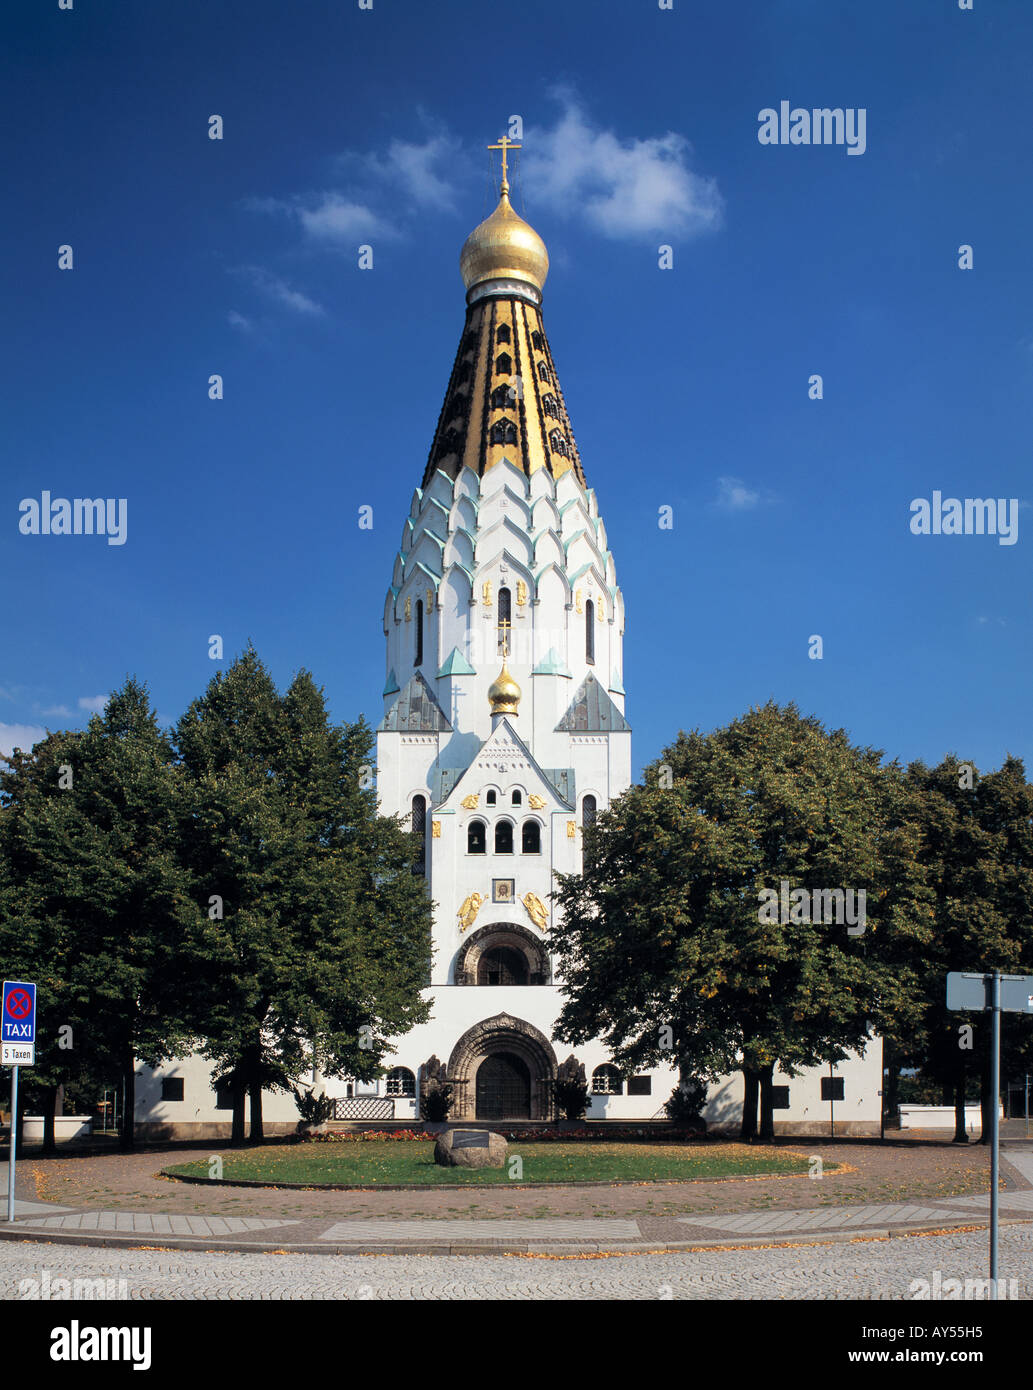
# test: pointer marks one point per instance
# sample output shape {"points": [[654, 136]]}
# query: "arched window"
{"points": [[588, 810], [590, 632], [502, 965], [490, 797], [476, 838], [550, 407], [503, 364], [536, 341], [543, 372], [607, 1081], [419, 828], [503, 397], [517, 797], [462, 373], [531, 837], [557, 443], [419, 632], [503, 432], [400, 1082], [504, 837], [505, 619], [503, 334]]}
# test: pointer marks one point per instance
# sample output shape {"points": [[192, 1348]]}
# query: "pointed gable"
{"points": [[416, 711], [592, 711], [505, 752]]}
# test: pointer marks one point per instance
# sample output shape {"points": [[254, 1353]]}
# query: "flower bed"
{"points": [[527, 1134]]}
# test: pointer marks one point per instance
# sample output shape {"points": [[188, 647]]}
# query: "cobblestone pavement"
{"points": [[860, 1270]]}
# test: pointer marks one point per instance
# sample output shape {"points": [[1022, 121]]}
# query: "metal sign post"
{"points": [[995, 1153], [976, 994], [17, 1049]]}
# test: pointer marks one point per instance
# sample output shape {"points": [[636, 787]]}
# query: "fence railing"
{"points": [[363, 1108]]}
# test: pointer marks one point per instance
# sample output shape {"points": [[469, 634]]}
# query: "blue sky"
{"points": [[687, 387]]}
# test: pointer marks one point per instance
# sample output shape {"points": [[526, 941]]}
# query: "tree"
{"points": [[322, 931], [96, 905], [663, 932], [975, 843]]}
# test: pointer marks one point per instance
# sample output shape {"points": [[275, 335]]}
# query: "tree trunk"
{"points": [[239, 1097], [748, 1131], [49, 1111], [960, 1136], [255, 1091], [767, 1110], [127, 1129]]}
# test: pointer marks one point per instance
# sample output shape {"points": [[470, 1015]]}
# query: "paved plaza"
{"points": [[882, 1270]]}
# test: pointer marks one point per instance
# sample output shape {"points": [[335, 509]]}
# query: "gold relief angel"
{"points": [[535, 910], [468, 911]]}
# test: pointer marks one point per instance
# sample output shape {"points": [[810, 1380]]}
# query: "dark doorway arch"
{"points": [[502, 965], [503, 1088], [486, 1039]]}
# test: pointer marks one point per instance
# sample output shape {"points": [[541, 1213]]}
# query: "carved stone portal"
{"points": [[514, 1036]]}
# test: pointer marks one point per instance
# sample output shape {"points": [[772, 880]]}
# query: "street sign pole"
{"points": [[995, 1081], [14, 1140]]}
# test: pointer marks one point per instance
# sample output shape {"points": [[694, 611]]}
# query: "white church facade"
{"points": [[504, 734]]}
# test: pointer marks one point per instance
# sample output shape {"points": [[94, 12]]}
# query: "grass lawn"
{"points": [[374, 1163]]}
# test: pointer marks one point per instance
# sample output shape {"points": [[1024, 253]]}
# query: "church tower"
{"points": [[504, 731]]}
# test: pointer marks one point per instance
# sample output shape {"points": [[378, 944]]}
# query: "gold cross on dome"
{"points": [[505, 145]]}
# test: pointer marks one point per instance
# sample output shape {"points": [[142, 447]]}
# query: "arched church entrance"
{"points": [[502, 1069], [503, 1088]]}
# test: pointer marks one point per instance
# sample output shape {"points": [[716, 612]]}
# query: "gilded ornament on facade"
{"points": [[600, 613], [468, 912], [408, 609], [435, 830], [430, 600], [571, 829], [535, 801], [486, 593], [577, 601], [521, 593], [535, 910], [470, 802]]}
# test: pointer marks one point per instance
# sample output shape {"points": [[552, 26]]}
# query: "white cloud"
{"points": [[734, 496], [57, 711], [623, 187], [23, 736], [414, 169], [239, 321], [334, 218], [94, 703], [280, 292]]}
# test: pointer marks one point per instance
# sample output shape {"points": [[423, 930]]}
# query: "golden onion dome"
{"points": [[504, 247], [504, 693]]}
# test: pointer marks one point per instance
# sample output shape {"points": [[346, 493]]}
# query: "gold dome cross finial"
{"points": [[505, 144]]}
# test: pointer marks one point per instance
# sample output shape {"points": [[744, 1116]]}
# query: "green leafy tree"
{"points": [[96, 906], [975, 846], [323, 932], [662, 934]]}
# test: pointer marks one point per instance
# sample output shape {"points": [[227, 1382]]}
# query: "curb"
{"points": [[141, 1240]]}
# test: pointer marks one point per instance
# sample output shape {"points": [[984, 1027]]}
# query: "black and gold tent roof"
{"points": [[504, 399]]}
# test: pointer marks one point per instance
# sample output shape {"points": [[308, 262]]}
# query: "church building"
{"points": [[504, 734]]}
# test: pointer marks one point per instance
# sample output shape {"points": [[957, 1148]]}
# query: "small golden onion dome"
{"points": [[504, 693], [504, 247]]}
